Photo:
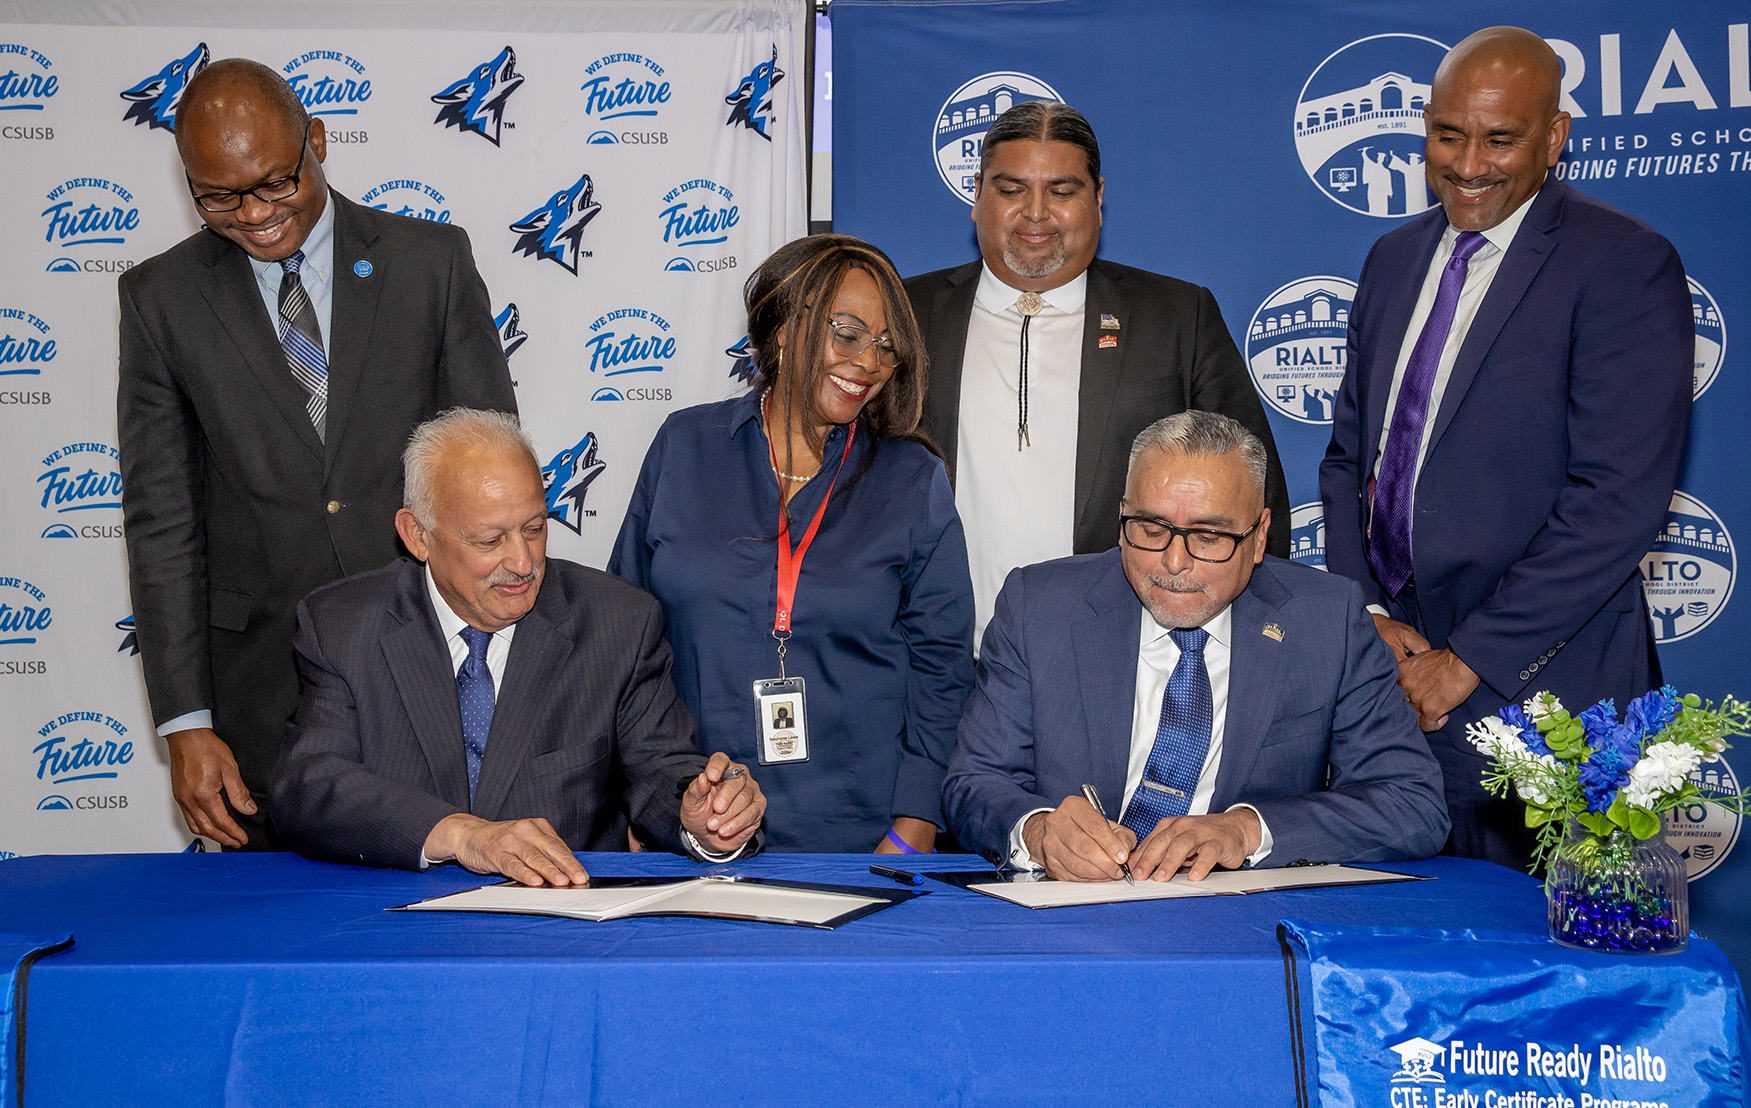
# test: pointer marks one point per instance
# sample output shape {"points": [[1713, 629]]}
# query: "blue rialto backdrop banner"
{"points": [[1260, 149]]}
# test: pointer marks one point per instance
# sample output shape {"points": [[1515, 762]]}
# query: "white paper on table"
{"points": [[1064, 894], [695, 897]]}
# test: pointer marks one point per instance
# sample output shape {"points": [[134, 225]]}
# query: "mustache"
{"points": [[1177, 584], [505, 577]]}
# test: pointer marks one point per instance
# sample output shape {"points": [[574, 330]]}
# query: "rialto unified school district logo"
{"points": [[405, 196], [967, 114], [1711, 337], [1307, 534], [1295, 346], [1704, 834], [1687, 578], [1359, 124]]}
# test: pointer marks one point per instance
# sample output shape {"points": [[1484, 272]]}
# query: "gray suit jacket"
{"points": [[1174, 354], [234, 509], [1318, 737], [586, 729]]}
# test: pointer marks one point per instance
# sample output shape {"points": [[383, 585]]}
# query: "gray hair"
{"points": [[1202, 433], [458, 428]]}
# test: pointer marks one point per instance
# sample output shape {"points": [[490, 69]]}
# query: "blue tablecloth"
{"points": [[268, 980]]}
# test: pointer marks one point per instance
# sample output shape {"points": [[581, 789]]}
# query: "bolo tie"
{"points": [[1029, 304]]}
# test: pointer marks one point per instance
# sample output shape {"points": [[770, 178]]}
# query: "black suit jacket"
{"points": [[1174, 354], [586, 728], [233, 508]]}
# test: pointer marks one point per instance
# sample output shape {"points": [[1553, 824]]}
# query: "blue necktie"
{"points": [[1389, 529], [1182, 740], [475, 697], [301, 338]]}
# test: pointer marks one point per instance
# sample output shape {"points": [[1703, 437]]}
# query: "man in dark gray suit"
{"points": [[1046, 361], [494, 707], [272, 367]]}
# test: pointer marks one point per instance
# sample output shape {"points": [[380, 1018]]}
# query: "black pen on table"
{"points": [[1093, 799], [900, 875]]}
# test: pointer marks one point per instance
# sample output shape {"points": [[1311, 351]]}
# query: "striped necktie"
{"points": [[301, 338]]}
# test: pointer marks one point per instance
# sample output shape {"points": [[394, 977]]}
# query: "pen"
{"points": [[899, 875], [732, 773], [1093, 799]]}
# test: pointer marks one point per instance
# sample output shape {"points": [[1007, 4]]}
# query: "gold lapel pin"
{"points": [[1272, 631]]}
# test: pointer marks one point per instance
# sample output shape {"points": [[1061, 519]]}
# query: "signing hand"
{"points": [[203, 773], [525, 850], [1436, 683], [722, 812], [1401, 637], [1224, 839], [919, 834], [1075, 843]]}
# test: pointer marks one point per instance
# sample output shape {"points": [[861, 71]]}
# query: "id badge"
{"points": [[783, 715]]}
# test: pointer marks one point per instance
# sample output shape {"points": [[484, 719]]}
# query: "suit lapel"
{"points": [[352, 314], [949, 318], [230, 289], [1396, 314], [1101, 372], [425, 677], [1107, 639], [1526, 256], [1255, 662], [539, 652]]}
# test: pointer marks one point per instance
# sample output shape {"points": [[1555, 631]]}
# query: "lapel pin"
{"points": [[362, 268], [1107, 342], [1109, 322], [1272, 631]]}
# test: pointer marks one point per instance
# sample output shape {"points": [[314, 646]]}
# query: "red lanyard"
{"points": [[790, 566]]}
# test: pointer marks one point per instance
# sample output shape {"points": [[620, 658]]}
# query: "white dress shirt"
{"points": [[1157, 655], [1018, 507]]}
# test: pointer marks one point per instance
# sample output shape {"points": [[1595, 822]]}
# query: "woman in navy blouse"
{"points": [[881, 624]]}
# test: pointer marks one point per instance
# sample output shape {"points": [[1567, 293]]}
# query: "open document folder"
{"points": [[1033, 891], [753, 899]]}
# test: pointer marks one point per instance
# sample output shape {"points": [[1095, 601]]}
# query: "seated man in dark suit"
{"points": [[493, 707], [1240, 707]]}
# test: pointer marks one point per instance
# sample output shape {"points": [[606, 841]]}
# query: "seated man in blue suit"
{"points": [[1241, 708]]}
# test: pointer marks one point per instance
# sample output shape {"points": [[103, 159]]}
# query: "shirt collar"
{"points": [[1220, 627], [747, 410], [318, 250], [449, 622], [996, 297], [1501, 236]]}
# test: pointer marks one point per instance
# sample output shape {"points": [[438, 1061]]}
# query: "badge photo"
{"points": [[783, 718]]}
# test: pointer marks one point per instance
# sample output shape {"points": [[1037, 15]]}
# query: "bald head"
{"points": [[1492, 128], [238, 89]]}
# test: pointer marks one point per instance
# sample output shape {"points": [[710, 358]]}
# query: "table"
{"points": [[269, 979]]}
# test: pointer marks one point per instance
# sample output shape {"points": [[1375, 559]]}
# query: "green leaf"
{"points": [[1643, 823], [1619, 812], [1596, 823], [1538, 817]]}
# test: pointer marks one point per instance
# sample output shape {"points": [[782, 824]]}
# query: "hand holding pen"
{"points": [[1076, 842]]}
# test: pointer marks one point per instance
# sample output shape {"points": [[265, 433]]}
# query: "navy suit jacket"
{"points": [[1552, 459], [1318, 737], [586, 728]]}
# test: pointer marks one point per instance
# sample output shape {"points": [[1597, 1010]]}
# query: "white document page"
{"points": [[1062, 894], [759, 901], [583, 903]]}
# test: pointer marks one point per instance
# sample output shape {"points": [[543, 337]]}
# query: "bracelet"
{"points": [[900, 844]]}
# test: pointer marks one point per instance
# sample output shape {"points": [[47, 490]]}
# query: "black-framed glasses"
{"points": [[268, 192], [851, 339], [1202, 543]]}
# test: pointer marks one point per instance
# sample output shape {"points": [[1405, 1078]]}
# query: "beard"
{"points": [[1036, 267], [1184, 588]]}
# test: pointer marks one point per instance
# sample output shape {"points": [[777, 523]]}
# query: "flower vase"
{"points": [[1618, 894]]}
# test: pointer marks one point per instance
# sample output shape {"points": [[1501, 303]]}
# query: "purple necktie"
{"points": [[1389, 532]]}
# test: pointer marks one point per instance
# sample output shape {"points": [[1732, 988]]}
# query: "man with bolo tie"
{"points": [[272, 367]]}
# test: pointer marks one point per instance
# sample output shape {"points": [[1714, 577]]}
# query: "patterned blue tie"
{"points": [[474, 695], [1389, 529], [1182, 740], [301, 338]]}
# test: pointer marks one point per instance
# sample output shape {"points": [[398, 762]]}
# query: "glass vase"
{"points": [[1618, 894]]}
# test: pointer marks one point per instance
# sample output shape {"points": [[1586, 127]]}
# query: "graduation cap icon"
{"points": [[1418, 1057]]}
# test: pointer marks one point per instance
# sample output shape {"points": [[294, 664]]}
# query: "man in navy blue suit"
{"points": [[1240, 708], [1510, 428]]}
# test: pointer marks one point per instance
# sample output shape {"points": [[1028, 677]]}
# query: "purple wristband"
{"points": [[901, 845]]}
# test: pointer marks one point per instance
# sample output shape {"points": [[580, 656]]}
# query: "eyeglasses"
{"points": [[1147, 533], [852, 339], [268, 192]]}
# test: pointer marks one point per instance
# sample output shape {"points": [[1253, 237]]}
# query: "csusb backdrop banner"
{"points": [[619, 168], [1260, 149]]}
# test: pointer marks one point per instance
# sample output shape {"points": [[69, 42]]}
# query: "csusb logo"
{"points": [[1687, 577], [81, 477], [1307, 534], [89, 211], [510, 336], [966, 115], [476, 103], [625, 86], [637, 342], [751, 100], [554, 230], [741, 358], [26, 346], [27, 91], [410, 198], [130, 641], [699, 213], [330, 83], [1359, 124], [1705, 833], [1295, 346], [568, 478], [24, 614], [153, 101], [75, 747], [1711, 337]]}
